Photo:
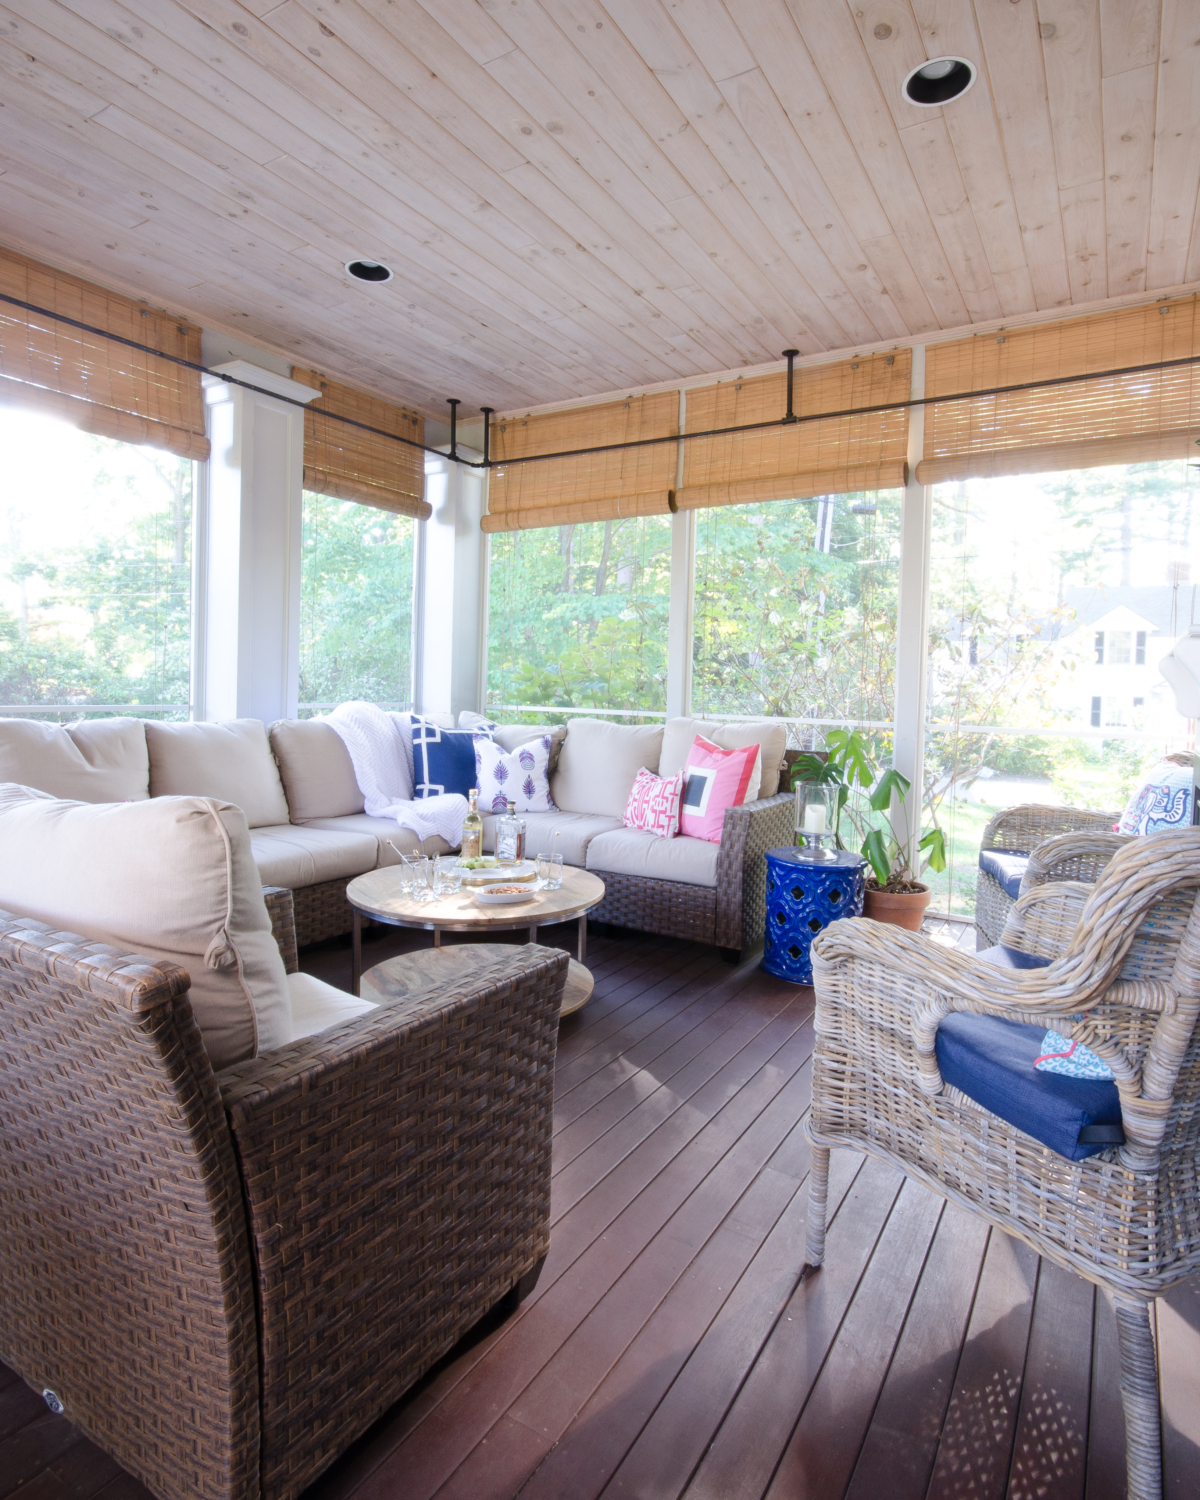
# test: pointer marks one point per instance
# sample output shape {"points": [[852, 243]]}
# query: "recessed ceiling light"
{"points": [[938, 81], [368, 270]]}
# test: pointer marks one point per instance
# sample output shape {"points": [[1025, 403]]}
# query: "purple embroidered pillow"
{"points": [[520, 776]]}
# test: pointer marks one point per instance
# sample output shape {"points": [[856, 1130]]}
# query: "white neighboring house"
{"points": [[1118, 638]]}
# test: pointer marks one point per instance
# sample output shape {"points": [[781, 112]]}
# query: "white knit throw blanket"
{"points": [[375, 741]]}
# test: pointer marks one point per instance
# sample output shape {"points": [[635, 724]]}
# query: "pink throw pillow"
{"points": [[713, 779], [653, 803]]}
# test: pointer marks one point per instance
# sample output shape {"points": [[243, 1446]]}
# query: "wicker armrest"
{"points": [[1071, 856], [1043, 920], [748, 832], [282, 912], [396, 1172]]}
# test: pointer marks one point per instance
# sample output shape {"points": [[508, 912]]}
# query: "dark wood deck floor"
{"points": [[671, 1347]]}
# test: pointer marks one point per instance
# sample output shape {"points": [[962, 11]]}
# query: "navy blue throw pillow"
{"points": [[443, 759]]}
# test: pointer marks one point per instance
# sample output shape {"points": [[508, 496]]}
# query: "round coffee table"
{"points": [[377, 894]]}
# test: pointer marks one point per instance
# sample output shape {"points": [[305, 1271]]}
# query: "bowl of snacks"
{"points": [[503, 894]]}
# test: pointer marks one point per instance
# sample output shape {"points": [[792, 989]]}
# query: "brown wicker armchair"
{"points": [[1021, 830], [226, 1278], [1127, 1218]]}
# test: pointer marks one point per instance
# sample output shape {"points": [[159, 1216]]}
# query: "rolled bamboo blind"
{"points": [[95, 383], [1117, 419], [593, 486], [352, 464], [833, 456]]}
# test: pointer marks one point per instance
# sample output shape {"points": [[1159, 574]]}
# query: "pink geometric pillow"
{"points": [[713, 779], [653, 803]]}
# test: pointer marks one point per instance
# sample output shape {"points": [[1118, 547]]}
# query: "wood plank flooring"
{"points": [[671, 1347]]}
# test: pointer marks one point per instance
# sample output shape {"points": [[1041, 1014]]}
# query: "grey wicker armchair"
{"points": [[1128, 1217], [226, 1278], [1020, 830]]}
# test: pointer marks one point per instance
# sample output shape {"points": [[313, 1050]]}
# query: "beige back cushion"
{"points": [[317, 773], [679, 734], [170, 878], [98, 760], [598, 763], [230, 761]]}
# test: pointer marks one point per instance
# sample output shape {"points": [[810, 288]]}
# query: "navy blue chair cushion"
{"points": [[1006, 866], [991, 1061], [443, 759]]}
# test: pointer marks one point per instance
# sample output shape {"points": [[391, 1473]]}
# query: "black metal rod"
{"points": [[487, 434], [818, 416], [790, 356], [452, 403]]}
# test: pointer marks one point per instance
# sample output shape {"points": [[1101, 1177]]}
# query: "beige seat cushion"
{"points": [[575, 832], [598, 764], [231, 761], [630, 851], [381, 830], [291, 856], [170, 878], [679, 734], [316, 770], [316, 1006], [97, 760]]}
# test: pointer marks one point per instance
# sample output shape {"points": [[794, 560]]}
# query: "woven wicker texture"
{"points": [[1128, 1218], [729, 916], [397, 1177], [125, 1273], [281, 910], [1024, 828], [321, 911]]}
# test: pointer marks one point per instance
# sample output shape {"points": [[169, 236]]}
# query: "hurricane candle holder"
{"points": [[816, 819]]}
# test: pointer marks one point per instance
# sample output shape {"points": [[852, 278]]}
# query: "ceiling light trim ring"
{"points": [[939, 80]]}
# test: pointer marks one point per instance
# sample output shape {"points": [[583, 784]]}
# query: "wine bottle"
{"points": [[472, 834]]}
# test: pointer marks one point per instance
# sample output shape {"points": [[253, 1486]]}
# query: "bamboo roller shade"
{"points": [[593, 486], [88, 380], [1114, 420], [352, 464], [833, 456]]}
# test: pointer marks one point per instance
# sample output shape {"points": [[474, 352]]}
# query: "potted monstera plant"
{"points": [[895, 892]]}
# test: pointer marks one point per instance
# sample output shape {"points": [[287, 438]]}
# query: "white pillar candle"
{"points": [[814, 818]]}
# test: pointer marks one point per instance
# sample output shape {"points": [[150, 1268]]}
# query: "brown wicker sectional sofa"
{"points": [[309, 831]]}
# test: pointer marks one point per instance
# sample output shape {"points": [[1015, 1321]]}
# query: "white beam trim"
{"points": [[912, 630]]}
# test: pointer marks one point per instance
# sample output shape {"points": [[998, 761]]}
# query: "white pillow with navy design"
{"points": [[520, 776]]}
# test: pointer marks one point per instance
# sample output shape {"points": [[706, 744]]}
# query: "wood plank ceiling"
{"points": [[579, 197]]}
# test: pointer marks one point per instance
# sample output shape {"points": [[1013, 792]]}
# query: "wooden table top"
{"points": [[413, 973], [377, 894]]}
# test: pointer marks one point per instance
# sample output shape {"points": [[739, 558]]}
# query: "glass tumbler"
{"points": [[550, 871]]}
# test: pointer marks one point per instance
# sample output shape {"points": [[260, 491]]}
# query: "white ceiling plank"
{"points": [[833, 41], [1128, 108], [947, 28], [1128, 34], [1070, 37], [1013, 58], [1084, 229], [1176, 145]]}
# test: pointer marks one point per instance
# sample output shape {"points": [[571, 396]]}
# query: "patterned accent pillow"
{"points": [[714, 779], [1072, 1059], [1164, 800], [653, 804], [443, 759], [520, 776]]}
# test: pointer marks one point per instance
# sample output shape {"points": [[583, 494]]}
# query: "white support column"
{"points": [[912, 632], [250, 539], [451, 593], [682, 607]]}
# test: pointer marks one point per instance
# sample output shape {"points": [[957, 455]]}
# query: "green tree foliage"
{"points": [[796, 608], [356, 594], [578, 615], [105, 618]]}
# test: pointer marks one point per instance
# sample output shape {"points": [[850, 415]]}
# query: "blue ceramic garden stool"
{"points": [[803, 896]]}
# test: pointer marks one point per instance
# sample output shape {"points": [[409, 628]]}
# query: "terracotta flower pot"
{"points": [[900, 908]]}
